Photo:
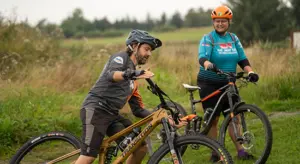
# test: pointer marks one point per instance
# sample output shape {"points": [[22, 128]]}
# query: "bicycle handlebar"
{"points": [[158, 92], [234, 76]]}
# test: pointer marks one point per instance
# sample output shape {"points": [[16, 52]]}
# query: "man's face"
{"points": [[221, 25], [143, 54]]}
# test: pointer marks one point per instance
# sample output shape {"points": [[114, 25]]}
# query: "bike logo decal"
{"points": [[136, 140]]}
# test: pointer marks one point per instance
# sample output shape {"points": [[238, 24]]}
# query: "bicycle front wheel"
{"points": [[199, 149], [46, 147], [254, 133]]}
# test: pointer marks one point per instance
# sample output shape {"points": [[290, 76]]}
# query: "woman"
{"points": [[221, 50]]}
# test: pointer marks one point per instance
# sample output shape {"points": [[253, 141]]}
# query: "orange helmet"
{"points": [[221, 12]]}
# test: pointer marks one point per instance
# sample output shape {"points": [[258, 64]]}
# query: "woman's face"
{"points": [[221, 24]]}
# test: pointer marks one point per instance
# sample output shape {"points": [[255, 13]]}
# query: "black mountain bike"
{"points": [[251, 127]]}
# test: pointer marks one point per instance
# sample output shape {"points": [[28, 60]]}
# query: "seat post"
{"points": [[191, 100]]}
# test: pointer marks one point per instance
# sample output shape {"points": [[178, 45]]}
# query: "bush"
{"points": [[21, 46]]}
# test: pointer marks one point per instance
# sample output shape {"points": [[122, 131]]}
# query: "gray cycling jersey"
{"points": [[108, 94]]}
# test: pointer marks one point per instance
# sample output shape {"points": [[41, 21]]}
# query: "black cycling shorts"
{"points": [[96, 123], [207, 89]]}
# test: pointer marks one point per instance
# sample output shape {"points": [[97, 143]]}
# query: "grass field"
{"points": [[46, 98]]}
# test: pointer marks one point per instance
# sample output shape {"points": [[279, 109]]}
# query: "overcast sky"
{"points": [[56, 10]]}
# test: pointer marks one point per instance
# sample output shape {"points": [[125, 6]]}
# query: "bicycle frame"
{"points": [[153, 121], [160, 116], [228, 90]]}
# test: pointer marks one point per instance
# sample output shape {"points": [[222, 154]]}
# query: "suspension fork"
{"points": [[243, 122], [176, 156]]}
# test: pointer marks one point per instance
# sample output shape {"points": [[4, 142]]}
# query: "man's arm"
{"points": [[118, 76], [116, 70], [204, 51], [137, 106]]}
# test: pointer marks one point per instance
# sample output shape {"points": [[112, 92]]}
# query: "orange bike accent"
{"points": [[211, 95], [188, 117]]}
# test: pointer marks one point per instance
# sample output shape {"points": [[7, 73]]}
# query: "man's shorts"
{"points": [[95, 123]]}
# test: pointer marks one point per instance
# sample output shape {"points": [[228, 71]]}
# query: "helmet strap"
{"points": [[130, 47]]}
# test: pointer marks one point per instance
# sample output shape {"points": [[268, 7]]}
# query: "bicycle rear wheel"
{"points": [[47, 147], [255, 133], [198, 150]]}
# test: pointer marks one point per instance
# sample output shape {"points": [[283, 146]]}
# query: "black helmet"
{"points": [[140, 36]]}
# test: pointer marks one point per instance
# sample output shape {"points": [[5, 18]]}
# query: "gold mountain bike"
{"points": [[176, 149]]}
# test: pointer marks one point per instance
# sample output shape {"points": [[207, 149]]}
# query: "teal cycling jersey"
{"points": [[224, 51]]}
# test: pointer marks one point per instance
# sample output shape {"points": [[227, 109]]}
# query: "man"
{"points": [[114, 88]]}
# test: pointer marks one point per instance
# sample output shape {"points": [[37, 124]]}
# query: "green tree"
{"points": [[163, 19], [150, 22], [296, 11], [197, 18], [192, 19], [76, 24], [176, 20], [258, 20], [102, 24]]}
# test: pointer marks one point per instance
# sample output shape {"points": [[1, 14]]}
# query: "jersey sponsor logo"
{"points": [[118, 59], [225, 45], [227, 50]]}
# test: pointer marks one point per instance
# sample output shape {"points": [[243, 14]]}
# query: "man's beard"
{"points": [[141, 59]]}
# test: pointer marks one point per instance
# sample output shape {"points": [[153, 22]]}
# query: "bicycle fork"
{"points": [[176, 156], [236, 121]]}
